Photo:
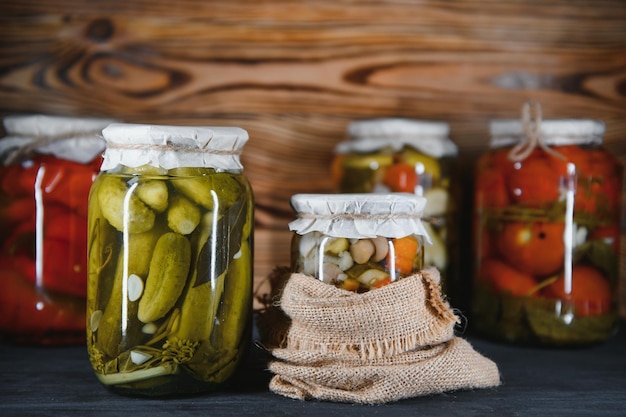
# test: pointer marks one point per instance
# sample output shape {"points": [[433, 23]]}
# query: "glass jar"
{"points": [[48, 166], [358, 242], [403, 155], [170, 259], [547, 227]]}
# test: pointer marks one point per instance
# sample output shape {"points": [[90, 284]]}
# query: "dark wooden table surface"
{"points": [[591, 381]]}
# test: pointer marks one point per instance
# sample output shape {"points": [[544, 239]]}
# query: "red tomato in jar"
{"points": [[401, 177], [599, 187], [602, 164], [536, 181], [505, 279], [491, 189], [590, 291], [535, 248], [499, 160], [598, 195]]}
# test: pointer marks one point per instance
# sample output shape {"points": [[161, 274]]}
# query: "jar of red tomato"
{"points": [[48, 166], [358, 242], [414, 156], [547, 225]]}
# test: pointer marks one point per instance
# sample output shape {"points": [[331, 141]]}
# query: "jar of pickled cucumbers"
{"points": [[358, 242], [413, 156], [170, 259], [48, 166], [547, 226]]}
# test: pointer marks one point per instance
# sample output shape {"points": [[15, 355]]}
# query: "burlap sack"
{"points": [[381, 346]]}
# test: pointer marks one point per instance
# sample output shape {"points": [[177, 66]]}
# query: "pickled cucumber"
{"points": [[236, 303], [183, 216], [196, 322], [196, 314], [219, 189], [101, 257], [166, 278], [121, 207], [109, 333], [154, 194], [144, 171]]}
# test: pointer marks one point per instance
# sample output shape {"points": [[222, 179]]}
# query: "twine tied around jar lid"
{"points": [[353, 216], [173, 147], [531, 122]]}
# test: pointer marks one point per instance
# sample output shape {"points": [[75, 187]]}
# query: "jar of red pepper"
{"points": [[547, 217], [48, 166]]}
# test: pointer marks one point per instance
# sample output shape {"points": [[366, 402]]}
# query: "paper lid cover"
{"points": [[359, 216], [170, 147], [505, 132], [428, 137], [77, 139]]}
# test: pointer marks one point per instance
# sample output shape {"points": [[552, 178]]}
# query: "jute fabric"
{"points": [[384, 345]]}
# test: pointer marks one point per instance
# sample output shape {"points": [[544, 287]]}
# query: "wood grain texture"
{"points": [[295, 73]]}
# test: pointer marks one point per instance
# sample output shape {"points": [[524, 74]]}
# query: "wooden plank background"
{"points": [[295, 73]]}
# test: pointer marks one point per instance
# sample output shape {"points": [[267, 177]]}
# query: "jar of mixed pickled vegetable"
{"points": [[413, 156], [547, 226], [48, 166], [170, 259], [358, 242]]}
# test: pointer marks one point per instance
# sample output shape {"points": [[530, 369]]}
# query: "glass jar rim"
{"points": [[391, 126], [77, 139], [170, 147], [429, 137], [557, 132], [359, 215], [358, 203]]}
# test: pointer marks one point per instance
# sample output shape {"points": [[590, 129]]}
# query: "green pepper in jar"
{"points": [[360, 173]]}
